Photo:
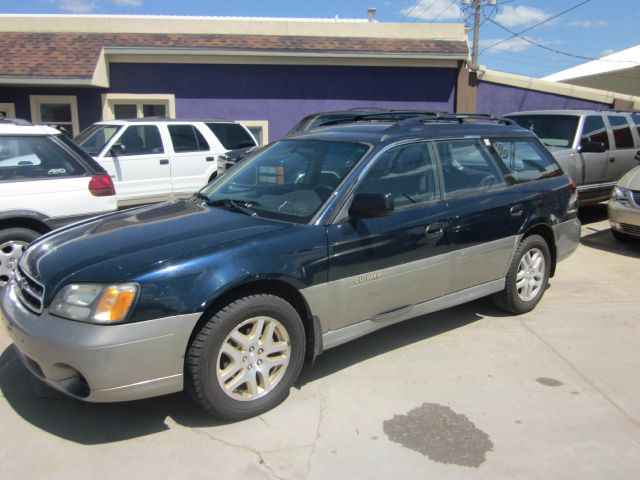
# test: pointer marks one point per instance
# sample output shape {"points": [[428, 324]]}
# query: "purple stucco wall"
{"points": [[283, 94], [500, 99]]}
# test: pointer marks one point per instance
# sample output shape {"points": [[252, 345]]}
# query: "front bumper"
{"points": [[624, 219], [99, 363], [567, 237]]}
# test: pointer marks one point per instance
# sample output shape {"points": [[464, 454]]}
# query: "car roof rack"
{"points": [[458, 117], [15, 121], [382, 116]]}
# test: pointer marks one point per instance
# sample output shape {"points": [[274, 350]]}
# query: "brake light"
{"points": [[101, 186]]}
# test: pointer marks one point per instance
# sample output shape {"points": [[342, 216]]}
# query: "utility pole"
{"points": [[477, 12]]}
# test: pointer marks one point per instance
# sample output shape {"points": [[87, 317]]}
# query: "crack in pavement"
{"points": [[317, 437], [632, 420]]}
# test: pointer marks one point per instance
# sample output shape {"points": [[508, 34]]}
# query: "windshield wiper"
{"points": [[238, 205]]}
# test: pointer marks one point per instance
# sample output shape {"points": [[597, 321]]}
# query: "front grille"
{"points": [[30, 292], [630, 229]]}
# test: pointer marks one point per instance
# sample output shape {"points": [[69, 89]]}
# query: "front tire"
{"points": [[244, 360], [527, 277]]}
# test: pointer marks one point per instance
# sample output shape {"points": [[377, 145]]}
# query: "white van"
{"points": [[151, 159]]}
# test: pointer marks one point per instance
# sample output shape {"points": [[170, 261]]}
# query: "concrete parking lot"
{"points": [[465, 393]]}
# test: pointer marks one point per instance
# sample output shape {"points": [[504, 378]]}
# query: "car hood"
{"points": [[631, 179], [117, 247]]}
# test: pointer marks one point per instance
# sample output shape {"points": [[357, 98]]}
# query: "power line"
{"points": [[411, 10], [583, 57], [518, 34], [423, 11], [447, 8]]}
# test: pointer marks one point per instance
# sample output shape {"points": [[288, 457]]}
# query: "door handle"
{"points": [[434, 230], [164, 161], [637, 157], [612, 159], [516, 210], [210, 159]]}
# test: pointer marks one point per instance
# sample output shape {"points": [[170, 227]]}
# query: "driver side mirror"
{"points": [[592, 147], [117, 150], [371, 205]]}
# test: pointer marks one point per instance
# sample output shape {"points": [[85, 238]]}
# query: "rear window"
{"points": [[524, 159], [621, 131], [552, 130], [232, 136], [35, 157]]}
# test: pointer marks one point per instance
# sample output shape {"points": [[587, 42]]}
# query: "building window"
{"points": [[8, 110], [259, 129], [123, 106], [59, 111]]}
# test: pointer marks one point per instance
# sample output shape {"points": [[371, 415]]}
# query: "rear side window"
{"points": [[594, 131], [525, 160], [31, 157], [232, 135], [636, 121], [621, 131], [467, 166], [141, 140], [187, 138]]}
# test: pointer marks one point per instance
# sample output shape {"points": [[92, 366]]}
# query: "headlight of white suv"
{"points": [[620, 195], [94, 303]]}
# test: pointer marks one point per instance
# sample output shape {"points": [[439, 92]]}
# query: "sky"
{"points": [[579, 30]]}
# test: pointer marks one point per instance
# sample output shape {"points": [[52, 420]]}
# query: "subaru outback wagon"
{"points": [[317, 240]]}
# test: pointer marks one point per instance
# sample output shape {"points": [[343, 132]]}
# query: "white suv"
{"points": [[46, 181], [152, 159]]}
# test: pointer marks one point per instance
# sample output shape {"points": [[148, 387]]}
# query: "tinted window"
{"points": [[407, 172], [467, 166], [525, 160], [552, 130], [231, 135], [141, 140], [621, 131], [34, 157], [594, 131], [187, 138], [636, 121]]}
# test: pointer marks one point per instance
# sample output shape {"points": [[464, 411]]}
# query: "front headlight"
{"points": [[621, 195], [94, 303]]}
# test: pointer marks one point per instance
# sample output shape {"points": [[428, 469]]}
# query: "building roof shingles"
{"points": [[75, 55]]}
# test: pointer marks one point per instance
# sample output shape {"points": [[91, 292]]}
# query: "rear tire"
{"points": [[13, 241], [527, 278], [244, 360]]}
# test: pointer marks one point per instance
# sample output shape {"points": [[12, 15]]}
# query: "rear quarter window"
{"points": [[524, 159], [621, 131], [35, 157], [232, 136]]}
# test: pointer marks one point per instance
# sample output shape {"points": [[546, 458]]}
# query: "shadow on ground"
{"points": [[93, 424], [600, 237]]}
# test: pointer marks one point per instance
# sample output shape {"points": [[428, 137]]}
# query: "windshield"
{"points": [[552, 130], [290, 180], [93, 139]]}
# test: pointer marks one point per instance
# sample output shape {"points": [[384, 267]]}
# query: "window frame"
{"points": [[36, 101], [263, 125], [10, 108], [109, 100]]}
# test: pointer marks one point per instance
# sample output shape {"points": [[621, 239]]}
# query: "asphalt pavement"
{"points": [[467, 393]]}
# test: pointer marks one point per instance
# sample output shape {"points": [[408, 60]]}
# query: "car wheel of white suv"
{"points": [[13, 241]]}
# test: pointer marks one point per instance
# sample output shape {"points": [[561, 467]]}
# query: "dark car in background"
{"points": [[315, 241]]}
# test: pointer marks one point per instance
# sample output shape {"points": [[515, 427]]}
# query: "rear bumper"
{"points": [[99, 363], [567, 237]]}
